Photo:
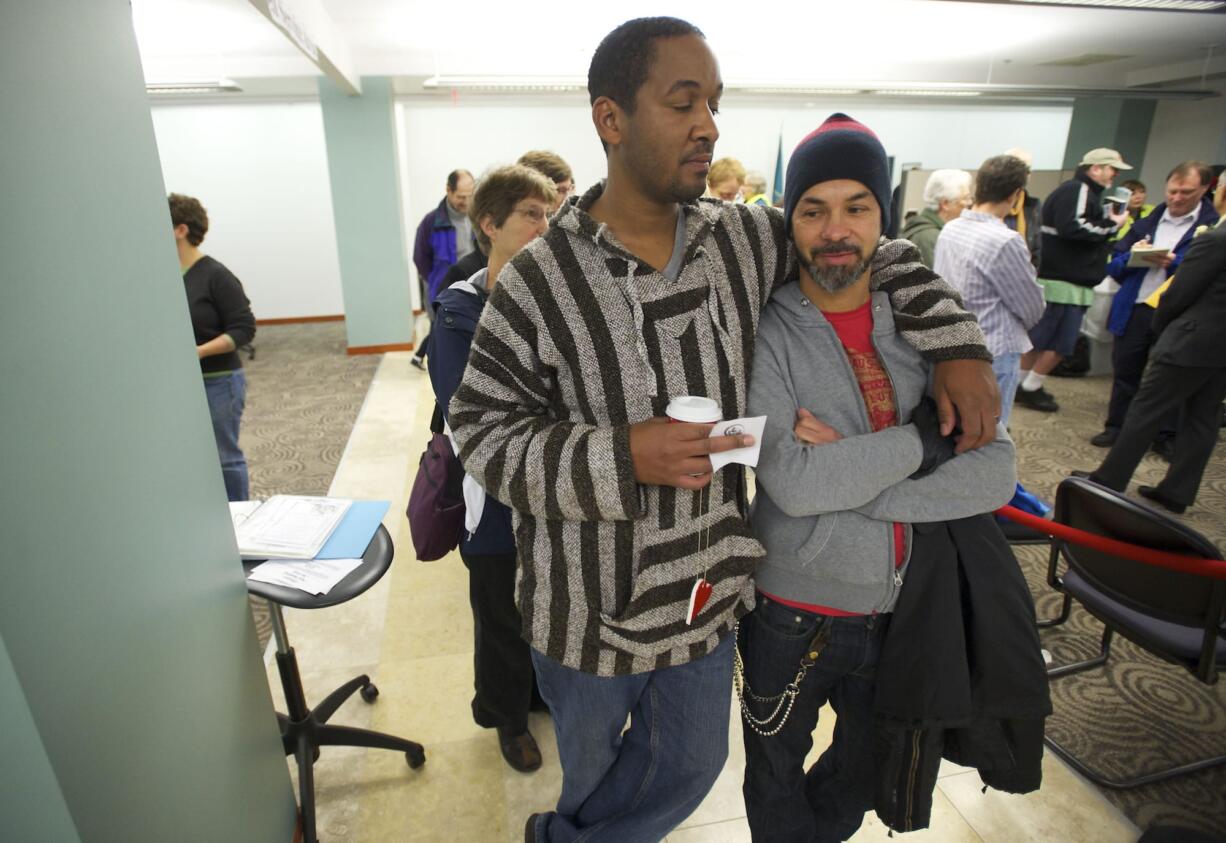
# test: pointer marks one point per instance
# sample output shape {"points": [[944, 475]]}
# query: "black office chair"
{"points": [[304, 730], [1179, 617]]}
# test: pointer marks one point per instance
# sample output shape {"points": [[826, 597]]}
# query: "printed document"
{"points": [[289, 527], [314, 576]]}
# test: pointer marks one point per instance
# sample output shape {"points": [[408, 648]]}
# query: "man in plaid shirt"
{"points": [[989, 264]]}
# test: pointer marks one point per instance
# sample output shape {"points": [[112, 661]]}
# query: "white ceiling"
{"points": [[817, 43]]}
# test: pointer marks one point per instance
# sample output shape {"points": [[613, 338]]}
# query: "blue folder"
{"points": [[352, 536]]}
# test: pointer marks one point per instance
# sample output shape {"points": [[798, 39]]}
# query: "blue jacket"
{"points": [[457, 310], [434, 250], [1130, 279]]}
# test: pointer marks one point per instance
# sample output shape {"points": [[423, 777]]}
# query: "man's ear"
{"points": [[609, 120], [180, 231]]}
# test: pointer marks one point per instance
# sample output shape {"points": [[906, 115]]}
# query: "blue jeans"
{"points": [[636, 786], [1008, 370], [227, 396], [827, 803]]}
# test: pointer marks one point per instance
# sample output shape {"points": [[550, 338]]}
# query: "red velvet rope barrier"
{"points": [[1214, 568]]}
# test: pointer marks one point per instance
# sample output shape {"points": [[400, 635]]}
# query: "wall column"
{"points": [[1119, 124], [361, 138]]}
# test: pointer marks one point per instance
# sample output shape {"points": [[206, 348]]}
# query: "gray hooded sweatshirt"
{"points": [[825, 513]]}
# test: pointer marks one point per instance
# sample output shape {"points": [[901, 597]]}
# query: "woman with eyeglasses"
{"points": [[510, 209]]}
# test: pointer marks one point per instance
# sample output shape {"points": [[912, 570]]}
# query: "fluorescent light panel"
{"points": [[918, 92], [222, 85], [1152, 5]]}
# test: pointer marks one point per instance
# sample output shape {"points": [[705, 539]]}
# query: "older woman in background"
{"points": [[946, 196], [510, 209]]}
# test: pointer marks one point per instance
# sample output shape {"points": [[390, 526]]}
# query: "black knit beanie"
{"points": [[840, 148]]}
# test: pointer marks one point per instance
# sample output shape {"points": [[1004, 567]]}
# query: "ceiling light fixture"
{"points": [[1150, 5], [557, 84], [219, 86], [923, 92], [929, 90]]}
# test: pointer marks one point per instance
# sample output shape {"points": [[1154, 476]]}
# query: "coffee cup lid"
{"points": [[694, 408]]}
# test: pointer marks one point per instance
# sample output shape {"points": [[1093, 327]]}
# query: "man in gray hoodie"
{"points": [[851, 455]]}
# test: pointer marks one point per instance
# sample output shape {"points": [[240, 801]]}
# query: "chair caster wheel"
{"points": [[416, 758], [370, 693]]}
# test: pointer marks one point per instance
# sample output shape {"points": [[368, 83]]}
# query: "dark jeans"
{"points": [[1129, 354], [783, 802], [502, 660], [635, 785]]}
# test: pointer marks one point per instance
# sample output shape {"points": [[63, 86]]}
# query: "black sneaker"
{"points": [[417, 363], [1036, 399]]}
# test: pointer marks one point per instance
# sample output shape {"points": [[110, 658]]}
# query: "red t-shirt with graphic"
{"points": [[855, 331]]}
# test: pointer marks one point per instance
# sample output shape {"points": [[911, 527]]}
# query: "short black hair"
{"points": [[623, 60], [1134, 185], [453, 178], [999, 178]]}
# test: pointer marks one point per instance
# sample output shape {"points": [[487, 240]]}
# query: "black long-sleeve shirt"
{"points": [[218, 305]]}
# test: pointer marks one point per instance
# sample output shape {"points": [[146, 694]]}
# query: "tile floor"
{"points": [[412, 633]]}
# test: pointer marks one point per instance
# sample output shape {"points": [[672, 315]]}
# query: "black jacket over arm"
{"points": [[961, 675], [1192, 311]]}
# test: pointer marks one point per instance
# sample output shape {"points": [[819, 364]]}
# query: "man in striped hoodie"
{"points": [[639, 293]]}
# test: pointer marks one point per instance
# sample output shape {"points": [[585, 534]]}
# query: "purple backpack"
{"points": [[436, 504]]}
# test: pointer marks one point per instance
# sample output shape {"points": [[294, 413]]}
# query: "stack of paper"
{"points": [[289, 527], [310, 543]]}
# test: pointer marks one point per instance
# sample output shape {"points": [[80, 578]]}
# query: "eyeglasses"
{"points": [[534, 215]]}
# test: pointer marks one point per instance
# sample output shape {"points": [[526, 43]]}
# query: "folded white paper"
{"points": [[314, 576], [746, 456]]}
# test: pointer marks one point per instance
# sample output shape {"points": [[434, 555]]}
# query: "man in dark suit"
{"points": [[1170, 226], [1186, 372]]}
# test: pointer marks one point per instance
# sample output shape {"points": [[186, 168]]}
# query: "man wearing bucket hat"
{"points": [[1077, 230]]}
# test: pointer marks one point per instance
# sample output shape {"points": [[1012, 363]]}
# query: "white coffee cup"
{"points": [[694, 409]]}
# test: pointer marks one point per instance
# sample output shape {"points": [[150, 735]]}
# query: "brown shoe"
{"points": [[520, 751]]}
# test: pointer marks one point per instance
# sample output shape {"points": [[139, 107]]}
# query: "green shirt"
{"points": [[1062, 292]]}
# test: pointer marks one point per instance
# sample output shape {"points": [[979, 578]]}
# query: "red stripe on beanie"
{"points": [[836, 122]]}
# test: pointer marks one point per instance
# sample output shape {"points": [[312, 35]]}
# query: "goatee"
{"points": [[834, 279]]}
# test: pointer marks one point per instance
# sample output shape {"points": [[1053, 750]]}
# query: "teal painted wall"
{"points": [[123, 608], [361, 138], [32, 807], [1122, 125], [1132, 132]]}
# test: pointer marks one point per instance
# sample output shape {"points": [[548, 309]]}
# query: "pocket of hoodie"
{"points": [[829, 552], [808, 552], [666, 569]]}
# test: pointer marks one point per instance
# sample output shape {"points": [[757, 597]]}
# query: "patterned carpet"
{"points": [[1137, 714], [303, 396]]}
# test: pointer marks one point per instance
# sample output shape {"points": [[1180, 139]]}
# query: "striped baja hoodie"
{"points": [[579, 341]]}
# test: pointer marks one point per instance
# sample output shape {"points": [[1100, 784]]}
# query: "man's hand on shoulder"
{"points": [[677, 454], [967, 396]]}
